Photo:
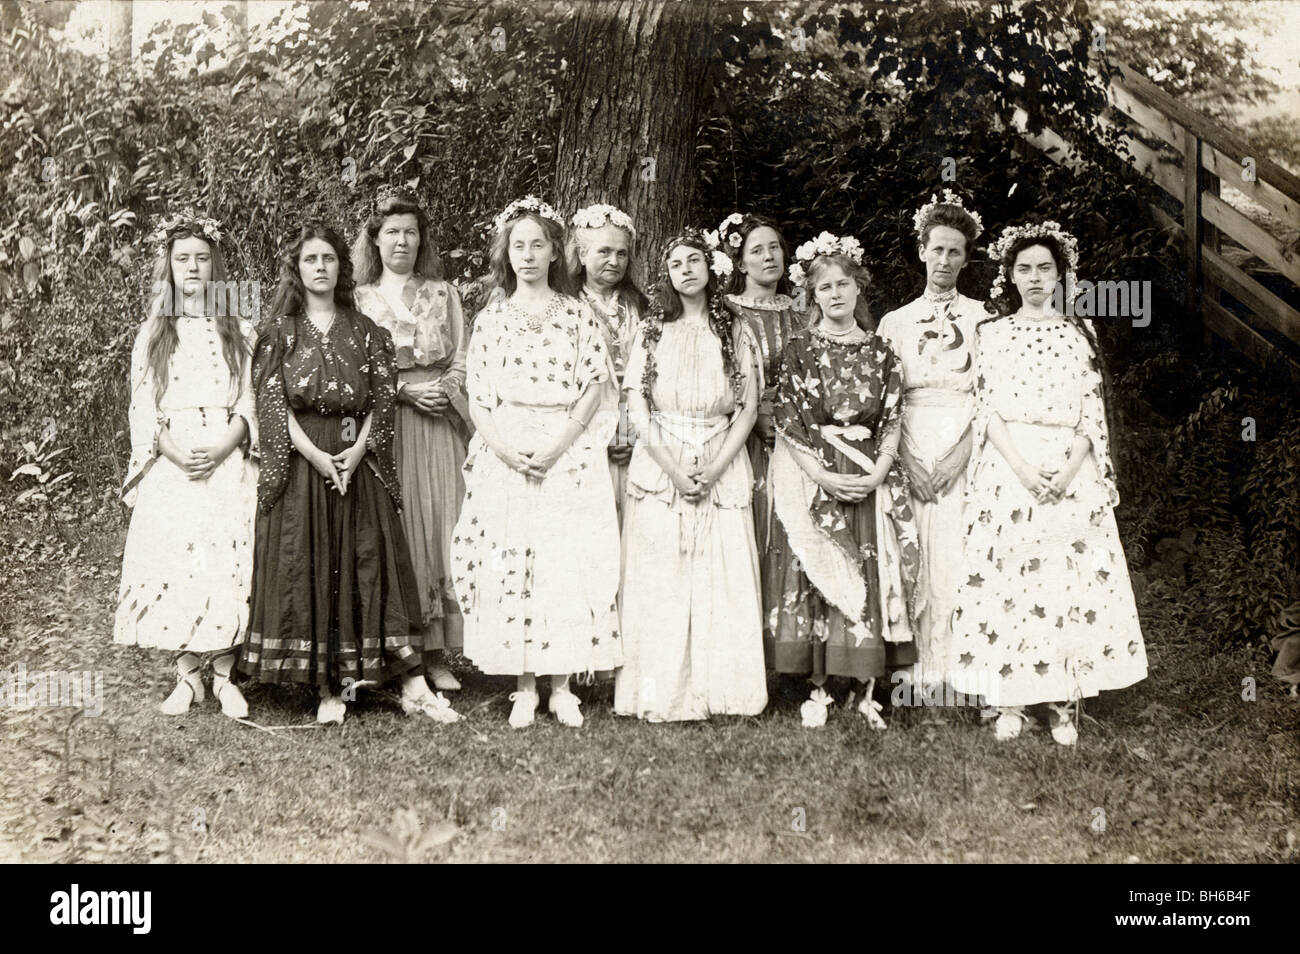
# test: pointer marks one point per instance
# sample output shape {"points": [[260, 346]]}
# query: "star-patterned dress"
{"points": [[536, 562], [691, 619], [428, 330], [334, 596], [189, 551], [618, 319], [934, 337], [844, 586], [772, 320], [1045, 611]]}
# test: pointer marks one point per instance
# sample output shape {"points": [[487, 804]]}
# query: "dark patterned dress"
{"points": [[772, 320], [334, 595], [841, 589], [1044, 611]]}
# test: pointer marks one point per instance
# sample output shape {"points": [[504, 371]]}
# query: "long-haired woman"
{"points": [[1045, 611], [335, 602], [692, 621], [400, 287], [188, 558], [535, 550]]}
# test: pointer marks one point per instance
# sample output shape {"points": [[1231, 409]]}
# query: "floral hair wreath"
{"points": [[728, 232], [599, 215], [949, 198], [719, 261], [209, 228], [529, 203], [1012, 233], [824, 244]]}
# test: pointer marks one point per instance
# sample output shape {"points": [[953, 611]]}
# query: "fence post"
{"points": [[1193, 227]]}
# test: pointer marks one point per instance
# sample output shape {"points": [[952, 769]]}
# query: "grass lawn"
{"points": [[1180, 768]]}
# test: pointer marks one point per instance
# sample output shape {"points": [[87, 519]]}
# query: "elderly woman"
{"points": [[400, 287], [599, 255]]}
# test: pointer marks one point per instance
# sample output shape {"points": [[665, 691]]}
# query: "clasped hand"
{"points": [[1049, 484], [850, 488], [198, 463], [427, 397], [339, 469], [532, 464], [694, 481]]}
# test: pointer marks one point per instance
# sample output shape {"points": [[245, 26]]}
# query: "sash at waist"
{"points": [[937, 397], [695, 431]]}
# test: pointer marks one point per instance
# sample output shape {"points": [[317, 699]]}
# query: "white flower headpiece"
{"points": [[529, 203], [209, 228], [824, 244], [949, 198], [729, 231], [719, 262], [598, 216], [1069, 244]]}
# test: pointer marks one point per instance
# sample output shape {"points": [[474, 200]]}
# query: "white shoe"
{"points": [[564, 706], [870, 708], [233, 703], [813, 711], [189, 690], [331, 709], [443, 680], [1063, 728], [434, 705], [526, 701], [1011, 720]]}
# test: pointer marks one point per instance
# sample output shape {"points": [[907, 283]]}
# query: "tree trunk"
{"points": [[631, 112], [119, 32]]}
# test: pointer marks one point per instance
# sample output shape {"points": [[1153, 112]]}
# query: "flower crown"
{"points": [[598, 216], [998, 250], [729, 231], [719, 262], [529, 203], [209, 228], [824, 244], [949, 198], [390, 191]]}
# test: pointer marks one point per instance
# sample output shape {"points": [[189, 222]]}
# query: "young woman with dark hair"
{"points": [[335, 602]]}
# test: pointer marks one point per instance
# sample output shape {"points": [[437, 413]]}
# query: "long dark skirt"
{"points": [[334, 595], [805, 635]]}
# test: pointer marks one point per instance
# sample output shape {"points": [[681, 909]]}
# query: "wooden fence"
{"points": [[1193, 160]]}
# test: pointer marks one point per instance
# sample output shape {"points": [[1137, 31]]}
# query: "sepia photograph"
{"points": [[651, 431]]}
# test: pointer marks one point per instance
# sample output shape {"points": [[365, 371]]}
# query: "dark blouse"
{"points": [[348, 371]]}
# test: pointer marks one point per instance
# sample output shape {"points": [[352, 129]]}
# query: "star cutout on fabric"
{"points": [[966, 659], [975, 580], [1041, 668]]}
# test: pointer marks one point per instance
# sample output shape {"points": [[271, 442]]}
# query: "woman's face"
{"points": [[318, 266], [688, 270], [1035, 274], [399, 242], [531, 252], [760, 256], [606, 252], [191, 265], [836, 293], [944, 256]]}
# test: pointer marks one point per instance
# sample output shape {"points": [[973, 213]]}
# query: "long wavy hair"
{"points": [[290, 296], [746, 228], [1010, 302], [668, 306], [626, 289], [367, 266], [502, 280], [162, 335], [861, 277]]}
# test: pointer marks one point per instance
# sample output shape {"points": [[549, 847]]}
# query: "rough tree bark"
{"points": [[631, 110], [119, 31]]}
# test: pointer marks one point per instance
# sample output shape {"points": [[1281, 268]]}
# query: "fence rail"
{"points": [[1192, 159]]}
